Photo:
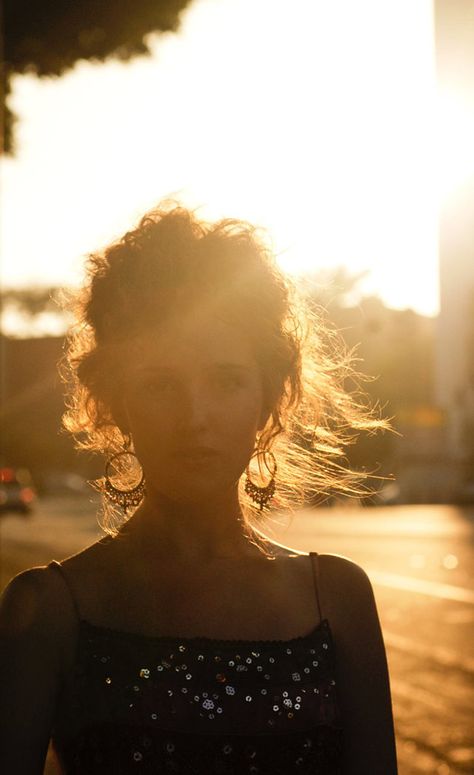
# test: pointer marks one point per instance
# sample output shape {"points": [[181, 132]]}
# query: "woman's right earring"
{"points": [[123, 497]]}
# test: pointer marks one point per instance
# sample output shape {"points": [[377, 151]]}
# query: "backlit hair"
{"points": [[173, 258]]}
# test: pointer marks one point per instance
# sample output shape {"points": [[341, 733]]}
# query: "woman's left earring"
{"points": [[262, 495], [124, 497]]}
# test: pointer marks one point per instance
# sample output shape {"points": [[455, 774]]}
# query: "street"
{"points": [[420, 560]]}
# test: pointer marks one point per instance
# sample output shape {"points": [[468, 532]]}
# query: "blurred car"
{"points": [[16, 490]]}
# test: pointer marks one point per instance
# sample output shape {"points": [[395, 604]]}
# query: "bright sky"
{"points": [[314, 119]]}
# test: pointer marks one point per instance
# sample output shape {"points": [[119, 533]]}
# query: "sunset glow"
{"points": [[316, 129]]}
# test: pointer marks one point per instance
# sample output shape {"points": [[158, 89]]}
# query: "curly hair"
{"points": [[173, 257]]}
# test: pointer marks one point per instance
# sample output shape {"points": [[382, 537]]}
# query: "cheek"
{"points": [[230, 425]]}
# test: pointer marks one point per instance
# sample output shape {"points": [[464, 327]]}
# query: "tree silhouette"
{"points": [[47, 37]]}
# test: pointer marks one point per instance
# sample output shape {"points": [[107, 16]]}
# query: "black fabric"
{"points": [[139, 704]]}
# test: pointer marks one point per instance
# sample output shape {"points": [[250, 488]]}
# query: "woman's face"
{"points": [[194, 403]]}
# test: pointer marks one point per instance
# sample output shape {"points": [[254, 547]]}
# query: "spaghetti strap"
{"points": [[57, 565], [315, 566]]}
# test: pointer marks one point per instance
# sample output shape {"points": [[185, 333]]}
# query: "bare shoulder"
{"points": [[39, 599], [343, 569], [93, 575], [361, 666], [345, 589], [31, 601]]}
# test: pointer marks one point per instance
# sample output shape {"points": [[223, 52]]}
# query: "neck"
{"points": [[191, 532]]}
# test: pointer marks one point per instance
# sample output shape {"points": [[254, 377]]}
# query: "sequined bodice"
{"points": [[199, 705]]}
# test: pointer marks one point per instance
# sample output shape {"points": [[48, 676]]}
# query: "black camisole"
{"points": [[199, 706]]}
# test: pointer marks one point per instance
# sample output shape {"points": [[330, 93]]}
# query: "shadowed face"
{"points": [[194, 403]]}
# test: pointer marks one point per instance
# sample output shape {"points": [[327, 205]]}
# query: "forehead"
{"points": [[194, 339]]}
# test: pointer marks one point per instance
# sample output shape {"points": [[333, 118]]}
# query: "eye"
{"points": [[229, 381], [158, 384]]}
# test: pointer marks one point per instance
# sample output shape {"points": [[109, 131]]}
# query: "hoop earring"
{"points": [[123, 497], [261, 495]]}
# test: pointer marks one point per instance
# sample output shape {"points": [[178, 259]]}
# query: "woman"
{"points": [[173, 644]]}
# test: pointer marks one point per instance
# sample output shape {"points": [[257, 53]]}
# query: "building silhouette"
{"points": [[454, 30]]}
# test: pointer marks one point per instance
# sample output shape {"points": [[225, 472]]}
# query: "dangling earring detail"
{"points": [[125, 498], [261, 495]]}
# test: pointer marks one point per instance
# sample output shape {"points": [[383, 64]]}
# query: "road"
{"points": [[421, 562]]}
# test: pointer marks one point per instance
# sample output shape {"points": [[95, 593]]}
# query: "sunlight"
{"points": [[455, 133], [304, 136]]}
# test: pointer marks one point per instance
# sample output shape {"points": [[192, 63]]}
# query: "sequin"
{"points": [[246, 710]]}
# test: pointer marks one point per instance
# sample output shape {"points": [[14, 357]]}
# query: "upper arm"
{"points": [[30, 669], [361, 668]]}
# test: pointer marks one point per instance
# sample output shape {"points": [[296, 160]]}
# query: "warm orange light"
{"points": [[455, 133]]}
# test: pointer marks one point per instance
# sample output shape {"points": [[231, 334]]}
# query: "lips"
{"points": [[197, 453]]}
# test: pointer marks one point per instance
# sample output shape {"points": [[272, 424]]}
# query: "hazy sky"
{"points": [[319, 123]]}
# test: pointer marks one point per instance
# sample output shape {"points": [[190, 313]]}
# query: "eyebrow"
{"points": [[221, 366], [233, 366]]}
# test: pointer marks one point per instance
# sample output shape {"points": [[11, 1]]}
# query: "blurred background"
{"points": [[345, 129]]}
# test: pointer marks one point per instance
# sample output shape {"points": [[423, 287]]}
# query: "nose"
{"points": [[196, 408]]}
